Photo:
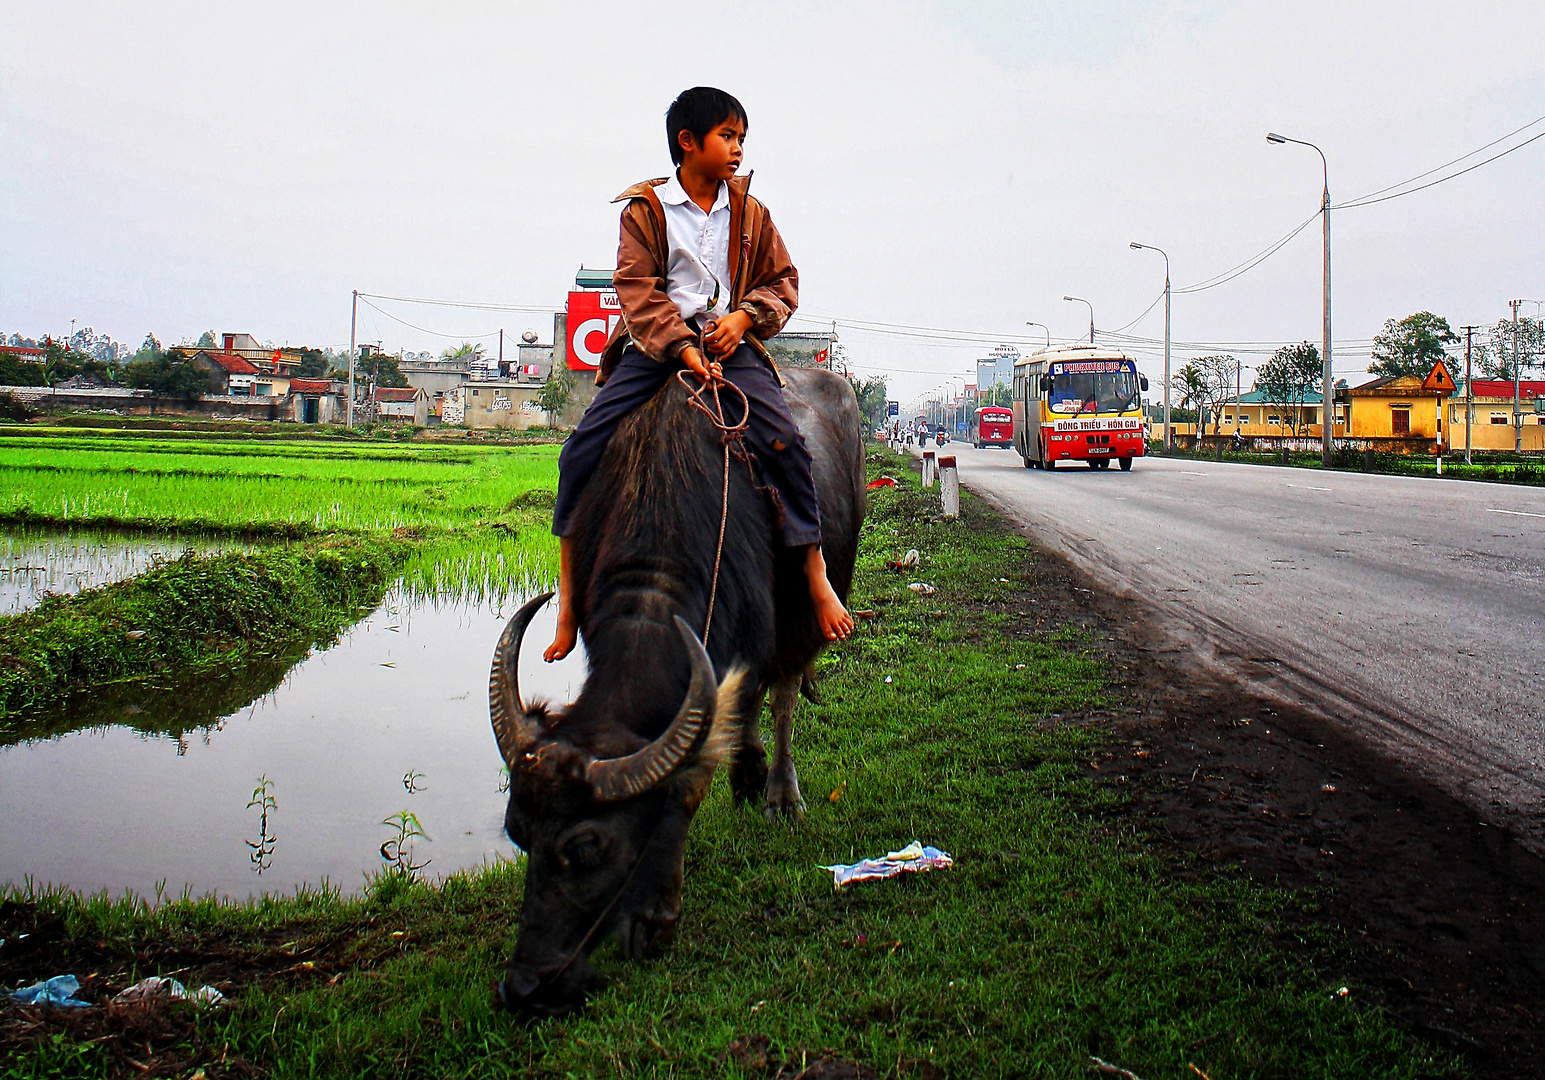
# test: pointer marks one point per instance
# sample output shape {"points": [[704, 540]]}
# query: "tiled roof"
{"points": [[1503, 388], [234, 365], [299, 385], [395, 393]]}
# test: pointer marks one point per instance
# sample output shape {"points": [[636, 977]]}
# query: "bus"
{"points": [[992, 425], [1078, 403]]}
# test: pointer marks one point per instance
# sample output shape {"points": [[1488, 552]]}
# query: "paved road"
{"points": [[1411, 609]]}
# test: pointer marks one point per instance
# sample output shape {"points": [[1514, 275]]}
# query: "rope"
{"points": [[728, 434]]}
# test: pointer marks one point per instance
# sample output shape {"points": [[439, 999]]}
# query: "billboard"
{"points": [[592, 316]]}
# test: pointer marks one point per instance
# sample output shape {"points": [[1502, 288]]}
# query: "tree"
{"points": [[1186, 384], [313, 364], [872, 404], [1411, 346], [1495, 357], [380, 367], [171, 373], [556, 393], [206, 340], [1289, 379], [16, 371], [1205, 384], [465, 351]]}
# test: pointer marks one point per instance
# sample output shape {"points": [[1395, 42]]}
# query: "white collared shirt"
{"points": [[699, 254]]}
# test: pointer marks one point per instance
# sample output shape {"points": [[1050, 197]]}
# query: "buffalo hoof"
{"points": [[748, 775], [783, 798]]}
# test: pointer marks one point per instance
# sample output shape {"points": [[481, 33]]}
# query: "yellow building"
{"points": [[1491, 422], [1403, 408]]}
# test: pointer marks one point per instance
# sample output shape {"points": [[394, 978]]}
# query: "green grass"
{"points": [[272, 486], [1059, 933]]}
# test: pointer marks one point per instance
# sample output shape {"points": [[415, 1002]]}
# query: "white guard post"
{"points": [[928, 468], [949, 487]]}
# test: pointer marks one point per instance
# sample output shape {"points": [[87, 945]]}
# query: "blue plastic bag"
{"points": [[60, 990]]}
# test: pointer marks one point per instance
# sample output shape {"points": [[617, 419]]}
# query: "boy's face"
{"points": [[719, 156]]}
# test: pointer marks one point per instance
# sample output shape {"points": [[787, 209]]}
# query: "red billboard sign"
{"points": [[592, 316]]}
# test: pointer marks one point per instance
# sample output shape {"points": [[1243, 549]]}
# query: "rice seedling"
{"points": [[278, 487]]}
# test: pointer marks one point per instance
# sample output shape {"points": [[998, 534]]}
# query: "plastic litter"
{"points": [[884, 481], [158, 986], [915, 857], [60, 990], [922, 588]]}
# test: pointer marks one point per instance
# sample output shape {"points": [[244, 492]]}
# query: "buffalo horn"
{"points": [[515, 731], [617, 779]]}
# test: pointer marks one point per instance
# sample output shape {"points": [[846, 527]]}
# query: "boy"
{"points": [[698, 254]]}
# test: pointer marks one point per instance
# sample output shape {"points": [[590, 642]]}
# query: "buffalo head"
{"points": [[602, 815]]}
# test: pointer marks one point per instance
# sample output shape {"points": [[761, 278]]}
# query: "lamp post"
{"points": [[1327, 386], [1043, 326], [1149, 247], [1081, 300]]}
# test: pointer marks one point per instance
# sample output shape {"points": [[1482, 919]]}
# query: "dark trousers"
{"points": [[772, 436]]}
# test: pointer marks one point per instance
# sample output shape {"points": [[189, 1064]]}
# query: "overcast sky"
{"points": [[181, 168]]}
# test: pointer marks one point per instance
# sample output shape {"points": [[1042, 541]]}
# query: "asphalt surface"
{"points": [[1411, 611]]}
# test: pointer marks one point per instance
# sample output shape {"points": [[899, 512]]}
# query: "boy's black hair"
{"points": [[699, 110]]}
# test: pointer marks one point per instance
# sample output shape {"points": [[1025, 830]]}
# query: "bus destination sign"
{"points": [[1089, 367], [1114, 423]]}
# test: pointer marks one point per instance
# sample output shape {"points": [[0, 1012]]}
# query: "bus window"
{"points": [[1111, 387]]}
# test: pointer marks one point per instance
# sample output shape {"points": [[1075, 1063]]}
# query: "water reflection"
{"points": [[35, 564], [396, 711]]}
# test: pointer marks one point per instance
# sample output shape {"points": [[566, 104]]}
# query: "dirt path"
{"points": [[1437, 914]]}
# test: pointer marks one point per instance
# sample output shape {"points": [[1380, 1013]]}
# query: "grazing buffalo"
{"points": [[602, 793]]}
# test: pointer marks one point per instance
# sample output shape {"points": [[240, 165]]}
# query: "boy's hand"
{"points": [[727, 333], [696, 364]]}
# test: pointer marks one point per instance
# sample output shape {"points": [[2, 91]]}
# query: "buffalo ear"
{"points": [[723, 738]]}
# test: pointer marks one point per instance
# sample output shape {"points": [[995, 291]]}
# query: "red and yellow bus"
{"points": [[1078, 403], [992, 425]]}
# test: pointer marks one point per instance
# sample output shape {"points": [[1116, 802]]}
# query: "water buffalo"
{"points": [[602, 793]]}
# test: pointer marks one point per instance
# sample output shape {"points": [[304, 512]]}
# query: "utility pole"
{"points": [[353, 321], [1327, 385], [1135, 246], [1469, 390], [501, 350], [1518, 416]]}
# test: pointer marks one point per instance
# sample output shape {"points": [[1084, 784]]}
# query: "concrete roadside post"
{"points": [[949, 487], [928, 468]]}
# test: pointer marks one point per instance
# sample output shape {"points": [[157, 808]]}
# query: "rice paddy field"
{"points": [[253, 486]]}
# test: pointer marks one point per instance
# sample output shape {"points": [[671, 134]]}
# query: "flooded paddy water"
{"points": [[207, 789], [34, 564]]}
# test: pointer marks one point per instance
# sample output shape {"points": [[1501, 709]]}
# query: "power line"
{"points": [[541, 310], [1249, 264], [1369, 200], [426, 330]]}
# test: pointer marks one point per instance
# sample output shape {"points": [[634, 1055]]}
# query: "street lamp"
{"points": [[1327, 386], [1149, 247], [1081, 300], [1043, 326]]}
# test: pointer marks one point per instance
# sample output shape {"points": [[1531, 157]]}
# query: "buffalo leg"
{"points": [[783, 797], [748, 768]]}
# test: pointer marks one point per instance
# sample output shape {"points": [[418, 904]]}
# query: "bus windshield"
{"points": [[1092, 386]]}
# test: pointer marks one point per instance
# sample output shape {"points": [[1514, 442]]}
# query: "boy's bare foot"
{"points": [[831, 616], [565, 637], [833, 619], [568, 630]]}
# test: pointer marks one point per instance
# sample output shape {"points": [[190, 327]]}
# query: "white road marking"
{"points": [[1515, 513], [1306, 487], [1185, 473]]}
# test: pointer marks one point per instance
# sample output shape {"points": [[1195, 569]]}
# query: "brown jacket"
{"points": [[764, 282]]}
